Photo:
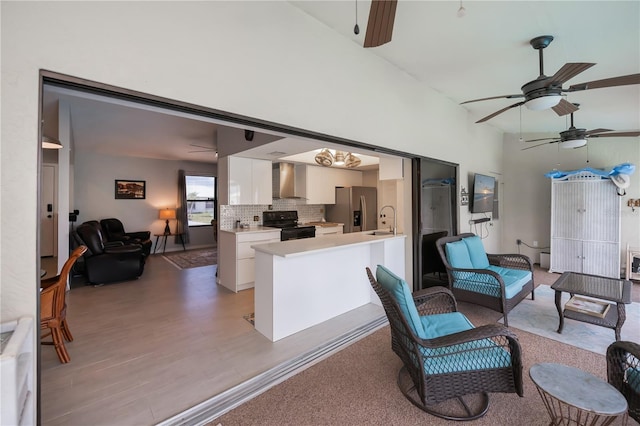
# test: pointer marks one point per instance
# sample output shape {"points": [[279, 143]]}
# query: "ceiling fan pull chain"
{"points": [[356, 28]]}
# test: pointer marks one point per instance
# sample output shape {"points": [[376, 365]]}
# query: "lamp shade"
{"points": [[167, 214], [543, 102], [576, 143], [50, 143], [339, 158], [351, 161]]}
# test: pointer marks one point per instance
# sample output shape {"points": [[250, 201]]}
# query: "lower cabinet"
{"points": [[584, 257], [236, 265]]}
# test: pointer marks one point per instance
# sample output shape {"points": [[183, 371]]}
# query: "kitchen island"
{"points": [[302, 283]]}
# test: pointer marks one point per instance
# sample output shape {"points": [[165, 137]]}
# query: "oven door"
{"points": [[297, 233]]}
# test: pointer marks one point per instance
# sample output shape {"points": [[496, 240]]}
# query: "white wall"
{"points": [[266, 60], [527, 193], [95, 176]]}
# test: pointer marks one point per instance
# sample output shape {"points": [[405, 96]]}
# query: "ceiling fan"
{"points": [[203, 148], [380, 25], [546, 92], [576, 138]]}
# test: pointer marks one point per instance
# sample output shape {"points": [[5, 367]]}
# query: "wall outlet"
{"points": [[256, 218], [535, 244]]}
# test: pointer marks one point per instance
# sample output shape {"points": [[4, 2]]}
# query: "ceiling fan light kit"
{"points": [[576, 143], [543, 102]]}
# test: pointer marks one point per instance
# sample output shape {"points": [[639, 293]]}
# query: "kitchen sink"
{"points": [[381, 233]]}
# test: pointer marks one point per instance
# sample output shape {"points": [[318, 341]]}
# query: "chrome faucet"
{"points": [[394, 229]]}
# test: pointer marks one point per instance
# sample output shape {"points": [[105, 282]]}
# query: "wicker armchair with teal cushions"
{"points": [[450, 366], [623, 373], [495, 281]]}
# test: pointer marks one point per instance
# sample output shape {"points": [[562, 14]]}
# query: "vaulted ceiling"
{"points": [[484, 53]]}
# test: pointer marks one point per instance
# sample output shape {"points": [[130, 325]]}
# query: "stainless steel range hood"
{"points": [[284, 180]]}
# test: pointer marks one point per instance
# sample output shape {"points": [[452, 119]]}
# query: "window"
{"points": [[201, 200]]}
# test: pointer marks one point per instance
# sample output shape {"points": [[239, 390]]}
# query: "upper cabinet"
{"points": [[391, 168], [318, 184], [248, 181]]}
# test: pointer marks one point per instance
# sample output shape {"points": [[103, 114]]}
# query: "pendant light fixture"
{"points": [[324, 158], [351, 161], [339, 158]]}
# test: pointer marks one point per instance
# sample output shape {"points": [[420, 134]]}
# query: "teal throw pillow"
{"points": [[476, 252], [458, 255]]}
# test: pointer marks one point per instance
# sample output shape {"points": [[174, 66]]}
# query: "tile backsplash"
{"points": [[245, 213]]}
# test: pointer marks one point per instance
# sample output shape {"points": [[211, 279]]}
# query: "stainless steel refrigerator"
{"points": [[356, 207]]}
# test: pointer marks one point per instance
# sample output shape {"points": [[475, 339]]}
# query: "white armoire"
{"points": [[585, 225]]}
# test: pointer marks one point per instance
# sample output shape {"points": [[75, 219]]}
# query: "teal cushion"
{"points": [[439, 325], [399, 290], [633, 378], [514, 280], [477, 254], [458, 255]]}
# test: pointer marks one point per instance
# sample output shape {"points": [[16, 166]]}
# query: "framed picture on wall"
{"points": [[130, 189]]}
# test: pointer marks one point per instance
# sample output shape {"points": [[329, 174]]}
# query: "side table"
{"points": [[572, 396], [164, 241]]}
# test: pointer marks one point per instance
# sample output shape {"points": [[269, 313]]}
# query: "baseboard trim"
{"points": [[211, 409]]}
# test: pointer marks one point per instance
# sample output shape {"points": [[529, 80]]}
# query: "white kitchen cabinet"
{"points": [[236, 264], [585, 225], [317, 185], [323, 231], [390, 168], [248, 181]]}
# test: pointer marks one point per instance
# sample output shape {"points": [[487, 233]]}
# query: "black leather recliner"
{"points": [[114, 231], [110, 262]]}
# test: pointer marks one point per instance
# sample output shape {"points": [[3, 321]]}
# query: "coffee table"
{"points": [[609, 289], [573, 396]]}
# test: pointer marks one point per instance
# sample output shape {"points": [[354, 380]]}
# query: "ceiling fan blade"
{"points": [[540, 144], [618, 134], [520, 95], [380, 25], [564, 107], [202, 146], [488, 117], [607, 82], [594, 131], [542, 139], [568, 71]]}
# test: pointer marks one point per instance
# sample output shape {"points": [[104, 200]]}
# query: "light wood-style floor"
{"points": [[148, 349]]}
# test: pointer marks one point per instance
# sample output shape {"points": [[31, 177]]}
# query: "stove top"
{"points": [[287, 220]]}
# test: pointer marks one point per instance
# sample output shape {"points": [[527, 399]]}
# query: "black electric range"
{"points": [[287, 221]]}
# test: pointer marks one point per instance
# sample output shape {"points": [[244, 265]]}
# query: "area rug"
{"points": [[193, 258], [540, 317]]}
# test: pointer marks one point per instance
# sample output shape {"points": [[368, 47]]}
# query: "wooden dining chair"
{"points": [[53, 307]]}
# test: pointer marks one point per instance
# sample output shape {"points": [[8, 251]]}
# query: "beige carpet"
{"points": [[193, 258], [357, 386]]}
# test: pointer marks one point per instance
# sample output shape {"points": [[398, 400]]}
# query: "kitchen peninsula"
{"points": [[302, 283]]}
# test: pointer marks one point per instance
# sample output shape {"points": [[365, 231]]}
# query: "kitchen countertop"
{"points": [[251, 229], [324, 224], [312, 245]]}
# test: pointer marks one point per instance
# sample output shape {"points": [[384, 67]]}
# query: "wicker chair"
{"points": [[487, 287], [448, 376], [53, 307], [623, 373]]}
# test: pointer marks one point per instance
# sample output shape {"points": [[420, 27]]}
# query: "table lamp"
{"points": [[167, 214]]}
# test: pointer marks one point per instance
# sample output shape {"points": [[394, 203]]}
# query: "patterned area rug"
{"points": [[541, 317], [193, 258]]}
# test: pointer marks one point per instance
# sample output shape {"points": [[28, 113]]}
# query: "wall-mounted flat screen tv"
{"points": [[483, 195]]}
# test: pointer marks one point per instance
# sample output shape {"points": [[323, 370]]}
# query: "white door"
{"points": [[48, 211]]}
